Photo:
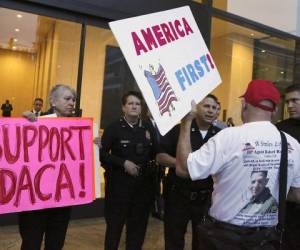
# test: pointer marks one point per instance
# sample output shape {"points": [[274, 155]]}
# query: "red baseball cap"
{"points": [[259, 90]]}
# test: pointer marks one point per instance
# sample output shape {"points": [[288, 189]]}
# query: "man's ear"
{"points": [[52, 102]]}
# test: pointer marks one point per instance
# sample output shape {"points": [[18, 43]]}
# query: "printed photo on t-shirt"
{"points": [[261, 200], [261, 207]]}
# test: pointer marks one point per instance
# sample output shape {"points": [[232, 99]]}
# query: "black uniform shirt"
{"points": [[122, 142], [169, 145], [290, 126]]}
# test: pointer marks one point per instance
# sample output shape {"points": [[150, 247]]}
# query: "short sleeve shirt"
{"points": [[240, 158]]}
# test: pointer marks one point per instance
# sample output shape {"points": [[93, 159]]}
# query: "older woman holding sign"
{"points": [[51, 223]]}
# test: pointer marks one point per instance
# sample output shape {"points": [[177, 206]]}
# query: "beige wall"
{"points": [[220, 4], [93, 71], [93, 74], [58, 56], [43, 66], [58, 51], [17, 79], [221, 50], [67, 45], [241, 75], [233, 55]]}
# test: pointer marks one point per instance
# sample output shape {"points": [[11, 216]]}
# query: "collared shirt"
{"points": [[130, 124], [121, 142], [37, 113]]}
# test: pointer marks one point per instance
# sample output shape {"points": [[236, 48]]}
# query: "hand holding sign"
{"points": [[169, 60], [193, 113], [45, 164], [29, 115]]}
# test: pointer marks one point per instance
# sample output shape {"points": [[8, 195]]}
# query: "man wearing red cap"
{"points": [[236, 157], [292, 127]]}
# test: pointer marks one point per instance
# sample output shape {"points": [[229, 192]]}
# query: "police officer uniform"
{"points": [[184, 199], [292, 232], [128, 199]]}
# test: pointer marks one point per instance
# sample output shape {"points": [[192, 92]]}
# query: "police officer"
{"points": [[292, 127], [128, 147], [186, 200]]}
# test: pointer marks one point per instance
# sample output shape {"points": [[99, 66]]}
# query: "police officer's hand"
{"points": [[131, 168]]}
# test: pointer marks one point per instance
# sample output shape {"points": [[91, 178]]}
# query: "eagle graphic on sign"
{"points": [[161, 88]]}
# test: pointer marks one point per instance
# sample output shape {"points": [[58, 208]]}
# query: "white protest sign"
{"points": [[169, 60]]}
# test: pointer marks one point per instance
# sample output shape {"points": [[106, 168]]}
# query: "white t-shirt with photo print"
{"points": [[244, 162]]}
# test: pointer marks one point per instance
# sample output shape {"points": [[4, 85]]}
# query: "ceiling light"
{"points": [[282, 72], [19, 16], [17, 30], [263, 51]]}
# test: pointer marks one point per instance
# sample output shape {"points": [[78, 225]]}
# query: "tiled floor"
{"points": [[88, 234]]}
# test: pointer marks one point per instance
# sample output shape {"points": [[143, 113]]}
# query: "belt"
{"points": [[238, 228]]}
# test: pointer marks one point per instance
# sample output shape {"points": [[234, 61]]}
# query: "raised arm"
{"points": [[184, 143]]}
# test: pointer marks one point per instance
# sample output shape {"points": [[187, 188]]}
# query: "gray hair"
{"points": [[58, 89]]}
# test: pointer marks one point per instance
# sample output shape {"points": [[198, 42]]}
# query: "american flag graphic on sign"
{"points": [[162, 90]]}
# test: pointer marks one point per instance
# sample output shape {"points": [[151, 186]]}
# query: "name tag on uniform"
{"points": [[124, 143]]}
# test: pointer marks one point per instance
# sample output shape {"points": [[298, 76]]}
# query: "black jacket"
{"points": [[290, 126]]}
